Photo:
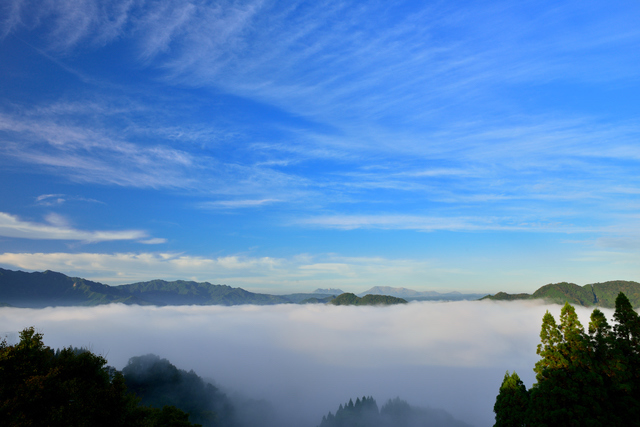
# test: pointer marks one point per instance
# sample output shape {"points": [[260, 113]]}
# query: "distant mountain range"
{"points": [[48, 288], [411, 295], [596, 294]]}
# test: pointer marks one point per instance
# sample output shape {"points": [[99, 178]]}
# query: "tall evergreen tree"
{"points": [[69, 388], [512, 402], [569, 390], [582, 379], [626, 353]]}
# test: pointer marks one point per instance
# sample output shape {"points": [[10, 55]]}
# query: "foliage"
{"points": [[560, 293], [314, 300], [583, 379], [597, 294], [512, 402], [69, 387], [352, 299], [48, 288], [503, 296], [345, 299], [380, 300], [395, 413], [310, 298], [159, 383], [182, 292], [607, 292]]}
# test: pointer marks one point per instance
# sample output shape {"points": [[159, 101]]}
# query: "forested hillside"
{"points": [[395, 413], [180, 292], [583, 378], [591, 295], [71, 388], [352, 299], [49, 288]]}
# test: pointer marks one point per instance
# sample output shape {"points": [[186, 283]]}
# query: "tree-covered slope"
{"points": [[70, 387], [182, 292], [584, 377], [159, 383], [307, 298], [560, 293], [395, 413], [503, 296], [597, 294], [48, 288], [352, 299], [607, 292]]}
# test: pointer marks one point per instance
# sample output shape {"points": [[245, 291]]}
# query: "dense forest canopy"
{"points": [[158, 383], [68, 388], [583, 378], [592, 295], [352, 299], [395, 413]]}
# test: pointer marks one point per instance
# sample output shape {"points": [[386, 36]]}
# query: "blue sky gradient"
{"points": [[284, 146]]}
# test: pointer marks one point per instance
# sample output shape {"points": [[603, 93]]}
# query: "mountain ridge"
{"points": [[601, 294], [50, 288]]}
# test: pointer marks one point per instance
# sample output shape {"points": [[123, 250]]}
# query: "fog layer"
{"points": [[309, 359]]}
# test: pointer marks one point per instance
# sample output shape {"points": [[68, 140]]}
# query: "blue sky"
{"points": [[285, 146]]}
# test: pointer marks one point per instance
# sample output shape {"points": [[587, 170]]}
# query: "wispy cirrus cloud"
{"points": [[69, 23], [345, 62], [59, 199], [432, 223], [89, 153], [236, 204], [57, 228], [73, 139]]}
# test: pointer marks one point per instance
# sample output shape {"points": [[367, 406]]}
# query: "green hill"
{"points": [[180, 292], [315, 297], [503, 296], [352, 299], [591, 295], [48, 288]]}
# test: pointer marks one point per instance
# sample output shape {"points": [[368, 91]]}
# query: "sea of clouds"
{"points": [[308, 359]]}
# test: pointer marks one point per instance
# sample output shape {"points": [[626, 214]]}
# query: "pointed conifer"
{"points": [[512, 402]]}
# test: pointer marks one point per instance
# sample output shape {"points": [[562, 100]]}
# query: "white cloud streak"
{"points": [[428, 223], [90, 154], [57, 229], [236, 204]]}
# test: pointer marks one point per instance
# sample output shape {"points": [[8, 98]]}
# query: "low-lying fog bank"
{"points": [[309, 359]]}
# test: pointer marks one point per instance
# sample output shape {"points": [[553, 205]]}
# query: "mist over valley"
{"points": [[306, 360], [335, 212]]}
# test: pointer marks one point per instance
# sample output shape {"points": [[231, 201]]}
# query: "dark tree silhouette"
{"points": [[70, 388]]}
